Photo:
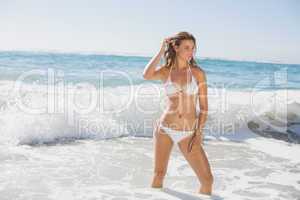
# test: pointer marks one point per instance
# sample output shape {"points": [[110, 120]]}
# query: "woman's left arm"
{"points": [[203, 104]]}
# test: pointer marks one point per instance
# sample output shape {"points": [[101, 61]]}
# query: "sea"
{"points": [[79, 125]]}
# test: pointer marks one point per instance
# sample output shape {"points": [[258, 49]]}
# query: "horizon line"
{"points": [[135, 54]]}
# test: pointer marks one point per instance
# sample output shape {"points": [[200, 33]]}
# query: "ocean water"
{"points": [[67, 109], [67, 91], [88, 67]]}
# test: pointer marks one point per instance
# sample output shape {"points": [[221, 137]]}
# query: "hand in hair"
{"points": [[165, 42]]}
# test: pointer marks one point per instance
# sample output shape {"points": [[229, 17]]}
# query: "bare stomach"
{"points": [[183, 119]]}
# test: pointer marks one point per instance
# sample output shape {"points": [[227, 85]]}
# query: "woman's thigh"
{"points": [[162, 148], [197, 157]]}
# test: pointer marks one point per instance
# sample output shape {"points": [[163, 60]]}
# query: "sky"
{"points": [[257, 30]]}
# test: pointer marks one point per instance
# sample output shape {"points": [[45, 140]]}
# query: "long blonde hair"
{"points": [[170, 53]]}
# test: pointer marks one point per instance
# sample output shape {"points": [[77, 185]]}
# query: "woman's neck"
{"points": [[181, 64]]}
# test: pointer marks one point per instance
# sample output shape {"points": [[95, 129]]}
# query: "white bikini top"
{"points": [[171, 88]]}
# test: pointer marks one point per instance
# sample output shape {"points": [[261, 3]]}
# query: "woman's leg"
{"points": [[199, 163], [162, 148]]}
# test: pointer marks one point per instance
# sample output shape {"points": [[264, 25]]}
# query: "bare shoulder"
{"points": [[199, 73], [160, 73], [163, 71]]}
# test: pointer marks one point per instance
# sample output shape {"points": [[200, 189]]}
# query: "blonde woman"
{"points": [[184, 83]]}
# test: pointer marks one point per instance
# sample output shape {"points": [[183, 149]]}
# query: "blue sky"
{"points": [[248, 30]]}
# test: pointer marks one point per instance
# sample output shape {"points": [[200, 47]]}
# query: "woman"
{"points": [[184, 83]]}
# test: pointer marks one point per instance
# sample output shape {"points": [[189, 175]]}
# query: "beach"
{"points": [[122, 168], [79, 126]]}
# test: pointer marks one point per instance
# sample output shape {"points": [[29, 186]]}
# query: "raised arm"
{"points": [[150, 71]]}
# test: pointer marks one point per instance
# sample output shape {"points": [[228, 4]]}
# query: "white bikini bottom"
{"points": [[176, 135]]}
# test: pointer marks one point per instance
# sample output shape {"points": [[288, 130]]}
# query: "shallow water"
{"points": [[122, 169]]}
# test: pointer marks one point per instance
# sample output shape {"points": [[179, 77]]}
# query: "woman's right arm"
{"points": [[150, 71]]}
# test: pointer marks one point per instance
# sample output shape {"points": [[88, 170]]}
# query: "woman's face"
{"points": [[185, 50]]}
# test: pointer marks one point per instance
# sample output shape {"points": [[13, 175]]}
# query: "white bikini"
{"points": [[171, 89]]}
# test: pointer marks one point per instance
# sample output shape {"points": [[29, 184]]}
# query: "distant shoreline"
{"points": [[133, 54]]}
